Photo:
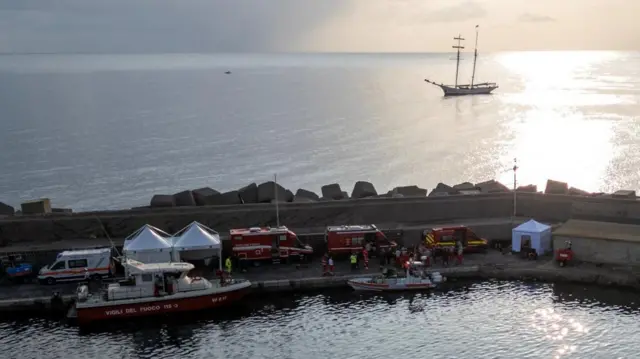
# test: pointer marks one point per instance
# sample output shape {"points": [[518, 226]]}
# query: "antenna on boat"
{"points": [[458, 47], [275, 190], [475, 57]]}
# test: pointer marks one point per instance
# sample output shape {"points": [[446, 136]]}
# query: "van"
{"points": [[71, 265]]}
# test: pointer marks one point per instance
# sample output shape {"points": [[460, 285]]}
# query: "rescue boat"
{"points": [[153, 289], [416, 278]]}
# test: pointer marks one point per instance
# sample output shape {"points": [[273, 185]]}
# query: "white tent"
{"points": [[533, 233], [149, 245], [197, 241]]}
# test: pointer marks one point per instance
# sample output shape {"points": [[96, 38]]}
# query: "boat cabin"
{"points": [[349, 238], [156, 279], [266, 243], [447, 237]]}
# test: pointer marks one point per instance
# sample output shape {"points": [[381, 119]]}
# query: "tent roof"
{"points": [[532, 226], [147, 238], [196, 236]]}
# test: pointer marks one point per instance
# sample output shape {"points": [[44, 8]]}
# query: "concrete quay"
{"points": [[33, 298]]}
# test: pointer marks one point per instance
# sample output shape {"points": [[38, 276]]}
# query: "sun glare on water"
{"points": [[556, 129], [557, 330]]}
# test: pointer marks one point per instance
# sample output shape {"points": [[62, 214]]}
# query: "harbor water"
{"points": [[470, 320]]}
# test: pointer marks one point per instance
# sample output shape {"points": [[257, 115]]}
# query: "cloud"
{"points": [[528, 17], [157, 26], [467, 10]]}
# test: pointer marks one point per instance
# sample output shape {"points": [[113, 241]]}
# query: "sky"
{"points": [[203, 26]]}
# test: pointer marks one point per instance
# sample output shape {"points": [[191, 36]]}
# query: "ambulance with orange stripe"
{"points": [[445, 237], [71, 265]]}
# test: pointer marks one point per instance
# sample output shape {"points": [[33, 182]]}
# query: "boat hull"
{"points": [[385, 287], [452, 91], [158, 306]]}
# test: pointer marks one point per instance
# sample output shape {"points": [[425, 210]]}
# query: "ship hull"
{"points": [[453, 91], [159, 306]]}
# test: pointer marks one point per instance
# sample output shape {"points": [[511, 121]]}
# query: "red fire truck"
{"points": [[265, 243], [346, 239], [440, 238]]}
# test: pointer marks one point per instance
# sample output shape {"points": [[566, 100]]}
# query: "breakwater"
{"points": [[388, 211]]}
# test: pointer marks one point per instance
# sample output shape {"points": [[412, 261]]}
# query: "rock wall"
{"points": [[252, 206]]}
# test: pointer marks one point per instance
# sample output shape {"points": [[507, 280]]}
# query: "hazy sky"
{"points": [[156, 26]]}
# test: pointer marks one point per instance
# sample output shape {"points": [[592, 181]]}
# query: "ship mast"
{"points": [[458, 47], [475, 58]]}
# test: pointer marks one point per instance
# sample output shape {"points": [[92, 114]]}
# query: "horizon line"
{"points": [[296, 52]]}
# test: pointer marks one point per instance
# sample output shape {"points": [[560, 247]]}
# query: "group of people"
{"points": [[429, 255]]}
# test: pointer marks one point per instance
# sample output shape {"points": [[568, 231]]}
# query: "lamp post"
{"points": [[515, 183]]}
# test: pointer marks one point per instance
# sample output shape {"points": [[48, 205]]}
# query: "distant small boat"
{"points": [[227, 72], [484, 88]]}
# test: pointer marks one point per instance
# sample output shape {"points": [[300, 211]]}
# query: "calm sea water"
{"points": [[485, 320], [108, 131]]}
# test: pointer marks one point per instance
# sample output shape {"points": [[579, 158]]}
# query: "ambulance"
{"points": [[268, 244], [71, 265], [348, 238]]}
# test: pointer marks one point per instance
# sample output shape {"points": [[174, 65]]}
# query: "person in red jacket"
{"points": [[365, 257]]}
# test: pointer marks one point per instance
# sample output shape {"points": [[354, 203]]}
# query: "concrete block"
{"points": [[625, 194], [6, 210], [40, 206]]}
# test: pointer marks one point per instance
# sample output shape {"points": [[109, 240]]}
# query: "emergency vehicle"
{"points": [[266, 243], [346, 239], [71, 265], [446, 237]]}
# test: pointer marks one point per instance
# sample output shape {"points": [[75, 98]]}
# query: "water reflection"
{"points": [[469, 320]]}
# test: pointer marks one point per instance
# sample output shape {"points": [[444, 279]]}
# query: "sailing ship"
{"points": [[473, 88]]}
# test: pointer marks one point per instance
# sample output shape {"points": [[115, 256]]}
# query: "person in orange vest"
{"points": [[365, 257]]}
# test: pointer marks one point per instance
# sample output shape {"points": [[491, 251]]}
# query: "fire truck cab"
{"points": [[346, 239], [446, 237], [266, 243]]}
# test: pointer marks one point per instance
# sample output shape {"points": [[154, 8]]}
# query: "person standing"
{"points": [[228, 265], [353, 259], [365, 258], [459, 252], [325, 259], [331, 267], [427, 257]]}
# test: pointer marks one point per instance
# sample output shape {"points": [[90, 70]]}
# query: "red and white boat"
{"points": [[152, 289], [417, 278]]}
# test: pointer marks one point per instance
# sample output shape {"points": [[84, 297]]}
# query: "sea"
{"points": [[100, 131], [95, 132], [485, 320]]}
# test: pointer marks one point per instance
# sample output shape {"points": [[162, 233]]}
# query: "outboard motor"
{"points": [[436, 277]]}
